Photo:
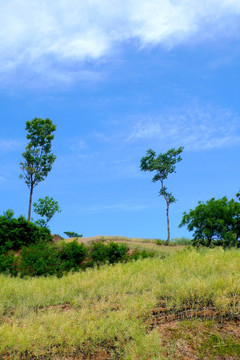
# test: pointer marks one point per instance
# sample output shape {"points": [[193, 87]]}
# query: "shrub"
{"points": [[110, 253], [141, 254], [17, 232], [116, 252], [8, 264], [72, 255], [51, 259], [159, 242], [181, 241], [98, 252], [40, 259]]}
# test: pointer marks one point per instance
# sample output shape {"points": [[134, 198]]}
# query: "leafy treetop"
{"points": [[215, 220], [38, 157], [46, 207]]}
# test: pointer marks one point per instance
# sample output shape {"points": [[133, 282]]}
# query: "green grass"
{"points": [[119, 310]]}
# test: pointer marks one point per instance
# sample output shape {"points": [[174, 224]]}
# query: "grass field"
{"points": [[185, 306]]}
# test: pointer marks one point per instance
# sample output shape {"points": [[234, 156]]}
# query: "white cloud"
{"points": [[35, 34], [196, 129]]}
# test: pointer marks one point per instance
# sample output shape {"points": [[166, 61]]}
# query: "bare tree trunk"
{"points": [[30, 203], [168, 226]]}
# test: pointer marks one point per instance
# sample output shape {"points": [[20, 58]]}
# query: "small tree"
{"points": [[163, 165], [72, 234], [38, 158], [47, 208], [216, 220]]}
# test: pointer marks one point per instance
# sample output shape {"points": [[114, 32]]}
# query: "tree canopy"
{"points": [[217, 220], [46, 207], [38, 158]]}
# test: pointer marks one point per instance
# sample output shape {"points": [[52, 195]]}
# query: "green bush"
{"points": [[72, 255], [8, 264], [159, 242], [18, 232], [110, 253], [47, 258], [181, 241], [40, 259], [116, 252], [98, 252], [141, 254]]}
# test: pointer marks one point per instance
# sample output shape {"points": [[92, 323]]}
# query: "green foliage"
{"points": [[221, 347], [9, 213], [159, 242], [163, 164], [72, 255], [39, 259], [41, 222], [71, 234], [46, 207], [8, 264], [111, 253], [38, 158], [141, 254], [181, 241], [37, 255], [98, 252], [16, 232], [116, 252], [215, 222]]}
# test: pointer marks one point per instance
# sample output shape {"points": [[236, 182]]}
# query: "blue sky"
{"points": [[118, 78]]}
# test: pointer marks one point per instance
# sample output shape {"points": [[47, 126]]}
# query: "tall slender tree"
{"points": [[163, 165], [38, 158]]}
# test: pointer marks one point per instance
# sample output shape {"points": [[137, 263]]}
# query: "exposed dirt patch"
{"points": [[56, 237], [163, 314], [192, 334], [59, 307]]}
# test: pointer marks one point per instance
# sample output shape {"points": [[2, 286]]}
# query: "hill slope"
{"points": [[185, 306]]}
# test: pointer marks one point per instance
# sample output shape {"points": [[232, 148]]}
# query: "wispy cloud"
{"points": [[48, 35], [196, 129], [121, 206], [7, 145]]}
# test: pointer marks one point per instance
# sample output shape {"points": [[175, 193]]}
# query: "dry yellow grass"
{"points": [[116, 312]]}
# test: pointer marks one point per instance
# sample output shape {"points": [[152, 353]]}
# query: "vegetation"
{"points": [[72, 234], [163, 164], [46, 207], [38, 158], [181, 241], [178, 302], [18, 232], [215, 222], [47, 258], [186, 305]]}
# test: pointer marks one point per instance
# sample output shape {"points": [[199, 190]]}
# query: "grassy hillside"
{"points": [[140, 243], [185, 306]]}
